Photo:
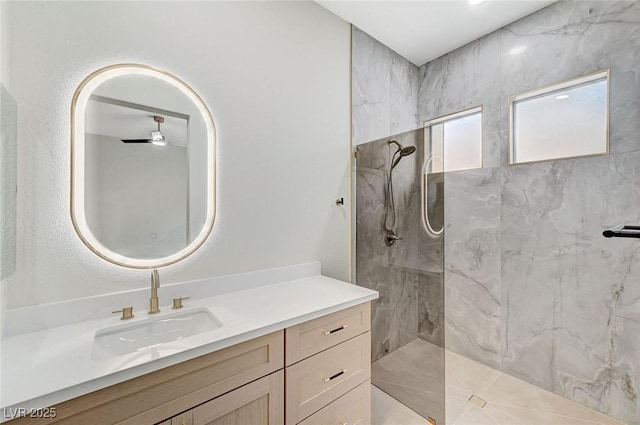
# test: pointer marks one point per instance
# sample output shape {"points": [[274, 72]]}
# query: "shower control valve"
{"points": [[390, 237]]}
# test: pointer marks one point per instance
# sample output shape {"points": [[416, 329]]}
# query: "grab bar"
{"points": [[622, 231], [426, 223]]}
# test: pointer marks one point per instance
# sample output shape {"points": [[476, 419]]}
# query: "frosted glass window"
{"points": [[455, 141], [566, 120]]}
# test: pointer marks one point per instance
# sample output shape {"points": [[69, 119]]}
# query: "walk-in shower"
{"points": [[503, 272], [407, 320]]}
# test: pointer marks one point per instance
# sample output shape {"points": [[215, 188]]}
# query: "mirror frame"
{"points": [[78, 217]]}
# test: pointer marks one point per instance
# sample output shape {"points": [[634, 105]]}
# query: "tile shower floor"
{"points": [[413, 375]]}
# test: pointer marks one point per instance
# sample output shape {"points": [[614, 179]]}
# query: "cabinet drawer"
{"points": [[311, 337], [258, 403], [317, 381], [353, 408], [152, 398], [185, 418]]}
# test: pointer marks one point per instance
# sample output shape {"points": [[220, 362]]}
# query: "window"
{"points": [[454, 142], [565, 120]]}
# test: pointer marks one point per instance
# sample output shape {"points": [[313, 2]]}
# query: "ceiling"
{"points": [[422, 30], [121, 122]]}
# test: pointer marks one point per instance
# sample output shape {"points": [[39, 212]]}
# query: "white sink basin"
{"points": [[152, 332]]}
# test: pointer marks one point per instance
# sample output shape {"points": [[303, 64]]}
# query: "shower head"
{"points": [[401, 152], [407, 151]]}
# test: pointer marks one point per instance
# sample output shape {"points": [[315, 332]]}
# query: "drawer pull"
{"points": [[331, 378], [335, 330]]}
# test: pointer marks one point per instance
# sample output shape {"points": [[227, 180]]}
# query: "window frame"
{"points": [[452, 117], [549, 90]]}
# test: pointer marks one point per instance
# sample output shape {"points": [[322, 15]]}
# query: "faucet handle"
{"points": [[127, 313], [177, 302]]}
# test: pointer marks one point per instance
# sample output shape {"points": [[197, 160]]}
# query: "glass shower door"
{"points": [[397, 256]]}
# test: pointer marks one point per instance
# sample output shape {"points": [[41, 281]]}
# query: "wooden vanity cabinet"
{"points": [[258, 403], [325, 365], [155, 397], [328, 369]]}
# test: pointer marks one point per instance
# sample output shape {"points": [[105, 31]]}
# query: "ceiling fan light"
{"points": [[158, 139]]}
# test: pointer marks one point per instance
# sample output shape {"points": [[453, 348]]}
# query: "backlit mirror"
{"points": [[142, 183]]}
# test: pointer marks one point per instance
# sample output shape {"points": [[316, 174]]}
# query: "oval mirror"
{"points": [[142, 166]]}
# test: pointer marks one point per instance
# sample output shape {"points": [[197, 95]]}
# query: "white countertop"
{"points": [[43, 368]]}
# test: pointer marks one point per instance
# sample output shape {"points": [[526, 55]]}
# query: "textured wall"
{"points": [[384, 90], [269, 71], [4, 44], [408, 275], [140, 215], [8, 181], [4, 85], [532, 287]]}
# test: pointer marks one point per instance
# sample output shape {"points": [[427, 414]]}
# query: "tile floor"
{"points": [[386, 410], [510, 401]]}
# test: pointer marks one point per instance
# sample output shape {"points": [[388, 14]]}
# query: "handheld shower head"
{"points": [[389, 204], [407, 151], [401, 152]]}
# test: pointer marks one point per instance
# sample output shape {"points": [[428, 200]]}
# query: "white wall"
{"points": [[4, 96], [4, 44], [136, 214], [276, 77]]}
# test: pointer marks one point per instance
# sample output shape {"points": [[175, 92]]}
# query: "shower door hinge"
{"points": [[355, 154]]}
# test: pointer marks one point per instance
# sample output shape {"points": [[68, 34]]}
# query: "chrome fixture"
{"points": [[127, 313], [389, 203], [177, 303], [155, 284]]}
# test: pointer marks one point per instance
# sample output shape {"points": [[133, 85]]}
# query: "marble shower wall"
{"points": [[408, 274], [384, 90], [532, 288]]}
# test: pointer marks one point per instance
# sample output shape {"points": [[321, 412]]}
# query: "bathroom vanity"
{"points": [[312, 373], [299, 353], [279, 346]]}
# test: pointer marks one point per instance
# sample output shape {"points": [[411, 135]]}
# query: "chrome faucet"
{"points": [[155, 284]]}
